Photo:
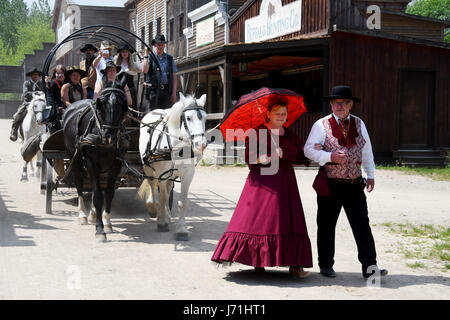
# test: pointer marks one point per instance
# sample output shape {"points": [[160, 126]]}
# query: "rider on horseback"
{"points": [[29, 86]]}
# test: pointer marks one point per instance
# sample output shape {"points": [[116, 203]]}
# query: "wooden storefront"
{"points": [[400, 71]]}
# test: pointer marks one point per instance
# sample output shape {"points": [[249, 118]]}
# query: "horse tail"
{"points": [[144, 190]]}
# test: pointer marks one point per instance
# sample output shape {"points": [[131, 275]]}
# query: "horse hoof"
{"points": [[151, 210], [108, 228], [100, 237], [163, 228], [92, 219], [182, 236], [24, 179], [82, 221]]}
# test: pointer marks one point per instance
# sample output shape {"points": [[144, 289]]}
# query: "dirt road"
{"points": [[52, 257]]}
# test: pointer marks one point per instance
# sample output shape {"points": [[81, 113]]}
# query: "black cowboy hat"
{"points": [[159, 39], [125, 46], [341, 92], [88, 46], [75, 69], [111, 64], [33, 71]]}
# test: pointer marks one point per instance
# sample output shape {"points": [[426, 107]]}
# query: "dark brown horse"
{"points": [[93, 134]]}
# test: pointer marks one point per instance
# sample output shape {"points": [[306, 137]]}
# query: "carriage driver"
{"points": [[29, 86]]}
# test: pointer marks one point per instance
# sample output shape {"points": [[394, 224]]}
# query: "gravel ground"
{"points": [[52, 257]]}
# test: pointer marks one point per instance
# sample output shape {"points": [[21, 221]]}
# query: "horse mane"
{"points": [[174, 115], [37, 95]]}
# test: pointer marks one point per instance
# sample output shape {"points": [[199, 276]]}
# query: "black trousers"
{"points": [[353, 199], [154, 101]]}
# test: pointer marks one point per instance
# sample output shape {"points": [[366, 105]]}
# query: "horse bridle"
{"points": [[102, 127], [183, 120]]}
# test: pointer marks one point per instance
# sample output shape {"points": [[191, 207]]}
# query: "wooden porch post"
{"points": [[226, 79]]}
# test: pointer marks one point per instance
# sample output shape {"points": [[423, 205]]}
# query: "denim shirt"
{"points": [[164, 63]]}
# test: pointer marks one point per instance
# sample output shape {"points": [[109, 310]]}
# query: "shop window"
{"points": [[158, 26], [143, 33], [150, 32], [180, 24], [171, 26]]}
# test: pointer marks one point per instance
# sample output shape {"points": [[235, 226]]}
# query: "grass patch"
{"points": [[11, 96], [440, 174], [416, 265], [425, 241]]}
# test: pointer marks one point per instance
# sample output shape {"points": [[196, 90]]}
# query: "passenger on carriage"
{"points": [[54, 85], [126, 59], [100, 61], [88, 82], [109, 79], [73, 91]]}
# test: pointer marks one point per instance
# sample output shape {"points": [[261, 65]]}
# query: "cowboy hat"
{"points": [[158, 39], [341, 92], [88, 46], [105, 45], [75, 69], [33, 71], [111, 64], [125, 46]]}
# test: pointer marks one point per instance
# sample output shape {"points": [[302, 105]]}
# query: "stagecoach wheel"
{"points": [[43, 174], [48, 187]]}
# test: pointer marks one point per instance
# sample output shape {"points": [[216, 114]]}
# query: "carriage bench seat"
{"points": [[54, 147]]}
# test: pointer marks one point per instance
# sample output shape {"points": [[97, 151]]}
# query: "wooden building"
{"points": [[71, 15], [398, 64], [148, 18]]}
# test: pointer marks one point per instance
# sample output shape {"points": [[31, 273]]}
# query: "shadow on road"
{"points": [[199, 220], [281, 278], [12, 221]]}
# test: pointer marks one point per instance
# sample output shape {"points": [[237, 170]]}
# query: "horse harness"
{"points": [[92, 139], [164, 154]]}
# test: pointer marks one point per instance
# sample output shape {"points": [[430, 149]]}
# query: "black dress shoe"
{"points": [[260, 270], [381, 272], [328, 272]]}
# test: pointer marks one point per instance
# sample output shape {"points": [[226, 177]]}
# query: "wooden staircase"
{"points": [[436, 158]]}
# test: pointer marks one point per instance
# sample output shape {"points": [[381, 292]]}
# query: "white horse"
{"points": [[31, 126], [180, 148]]}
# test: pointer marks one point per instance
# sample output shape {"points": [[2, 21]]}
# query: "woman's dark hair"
{"points": [[58, 67], [279, 104]]}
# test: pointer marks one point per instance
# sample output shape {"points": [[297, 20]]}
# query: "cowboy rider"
{"points": [[29, 86]]}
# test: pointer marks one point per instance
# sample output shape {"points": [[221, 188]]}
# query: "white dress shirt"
{"points": [[318, 135]]}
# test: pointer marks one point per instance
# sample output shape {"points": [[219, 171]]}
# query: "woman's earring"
{"points": [[267, 119]]}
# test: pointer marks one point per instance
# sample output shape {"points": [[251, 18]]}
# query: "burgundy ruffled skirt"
{"points": [[268, 225]]}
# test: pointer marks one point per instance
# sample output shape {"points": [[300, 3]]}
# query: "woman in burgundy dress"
{"points": [[268, 225]]}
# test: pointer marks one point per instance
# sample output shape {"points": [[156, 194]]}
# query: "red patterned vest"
{"points": [[352, 146]]}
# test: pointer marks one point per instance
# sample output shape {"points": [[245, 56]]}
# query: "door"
{"points": [[416, 109]]}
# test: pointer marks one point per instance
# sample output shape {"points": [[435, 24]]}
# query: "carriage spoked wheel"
{"points": [[48, 186]]}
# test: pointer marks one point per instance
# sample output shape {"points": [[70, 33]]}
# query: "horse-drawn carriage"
{"points": [[96, 152], [54, 151]]}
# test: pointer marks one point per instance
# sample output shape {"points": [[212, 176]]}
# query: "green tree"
{"points": [[13, 13], [437, 9], [30, 31]]}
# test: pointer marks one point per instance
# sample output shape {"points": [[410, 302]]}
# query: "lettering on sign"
{"points": [[205, 32], [274, 20]]}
